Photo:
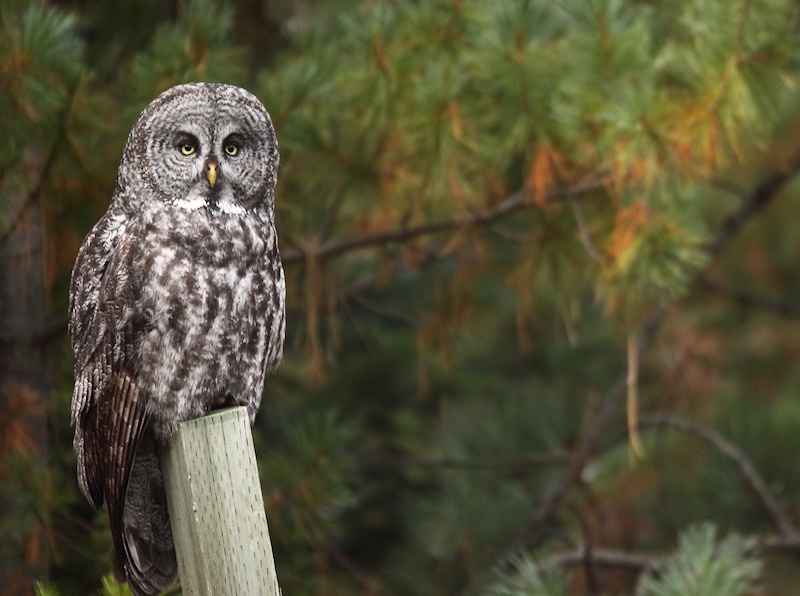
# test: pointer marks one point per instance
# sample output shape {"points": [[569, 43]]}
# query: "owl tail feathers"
{"points": [[147, 570], [146, 558], [147, 567]]}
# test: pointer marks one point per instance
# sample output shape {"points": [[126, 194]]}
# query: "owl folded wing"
{"points": [[113, 428], [108, 408]]}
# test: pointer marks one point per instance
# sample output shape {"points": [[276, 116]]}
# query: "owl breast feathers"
{"points": [[177, 305]]}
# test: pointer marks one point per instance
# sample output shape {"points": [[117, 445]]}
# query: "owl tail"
{"points": [[118, 465], [147, 560]]}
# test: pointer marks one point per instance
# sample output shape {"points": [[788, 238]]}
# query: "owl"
{"points": [[177, 305]]}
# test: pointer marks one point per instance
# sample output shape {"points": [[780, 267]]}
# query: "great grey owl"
{"points": [[177, 305]]}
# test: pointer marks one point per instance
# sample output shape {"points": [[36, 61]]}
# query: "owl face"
{"points": [[206, 146]]}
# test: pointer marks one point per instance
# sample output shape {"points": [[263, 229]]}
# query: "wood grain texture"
{"points": [[216, 508]]}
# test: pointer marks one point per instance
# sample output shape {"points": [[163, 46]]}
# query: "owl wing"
{"points": [[117, 461], [113, 429], [88, 328], [108, 409]]}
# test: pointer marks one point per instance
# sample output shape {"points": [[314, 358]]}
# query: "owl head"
{"points": [[201, 146]]}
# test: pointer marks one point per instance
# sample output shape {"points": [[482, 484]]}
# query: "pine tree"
{"points": [[461, 172], [501, 222], [40, 56], [704, 567]]}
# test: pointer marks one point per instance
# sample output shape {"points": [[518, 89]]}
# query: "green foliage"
{"points": [[111, 587], [704, 567], [45, 589], [310, 487], [529, 579], [40, 61], [41, 51], [700, 567], [25, 489], [427, 77], [477, 202], [196, 46]]}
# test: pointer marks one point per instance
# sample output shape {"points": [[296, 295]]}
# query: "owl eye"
{"points": [[188, 148], [231, 149]]}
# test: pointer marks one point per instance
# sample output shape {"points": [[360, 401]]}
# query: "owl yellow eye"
{"points": [[231, 149], [187, 148]]}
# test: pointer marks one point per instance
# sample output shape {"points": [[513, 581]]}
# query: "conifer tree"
{"points": [[533, 333], [40, 56]]}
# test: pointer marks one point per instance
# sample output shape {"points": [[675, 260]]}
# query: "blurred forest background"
{"points": [[544, 285]]}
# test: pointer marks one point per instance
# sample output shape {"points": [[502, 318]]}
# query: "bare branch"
{"points": [[590, 569], [472, 463], [758, 198], [760, 545], [621, 559], [521, 199], [783, 309], [754, 481], [32, 199], [583, 232], [788, 541], [580, 455], [368, 584], [605, 557]]}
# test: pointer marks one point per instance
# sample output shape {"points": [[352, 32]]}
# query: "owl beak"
{"points": [[211, 172]]}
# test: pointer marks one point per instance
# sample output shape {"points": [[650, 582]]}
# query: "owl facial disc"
{"points": [[202, 146]]}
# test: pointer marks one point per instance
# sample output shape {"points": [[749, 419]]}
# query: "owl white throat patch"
{"points": [[223, 202]]}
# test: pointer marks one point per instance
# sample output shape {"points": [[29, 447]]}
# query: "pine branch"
{"points": [[758, 198], [754, 481], [590, 569], [782, 309], [759, 545], [367, 583], [787, 541], [605, 557], [588, 443], [755, 545], [585, 449], [32, 199], [521, 199], [472, 463]]}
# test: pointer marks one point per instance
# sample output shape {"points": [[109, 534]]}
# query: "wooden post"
{"points": [[216, 509]]}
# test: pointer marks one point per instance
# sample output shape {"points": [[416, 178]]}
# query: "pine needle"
{"points": [[632, 406]]}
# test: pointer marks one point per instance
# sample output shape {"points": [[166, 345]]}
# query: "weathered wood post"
{"points": [[216, 508]]}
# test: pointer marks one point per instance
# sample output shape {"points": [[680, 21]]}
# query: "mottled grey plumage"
{"points": [[176, 305]]}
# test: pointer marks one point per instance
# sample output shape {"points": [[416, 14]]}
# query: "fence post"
{"points": [[216, 509]]}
